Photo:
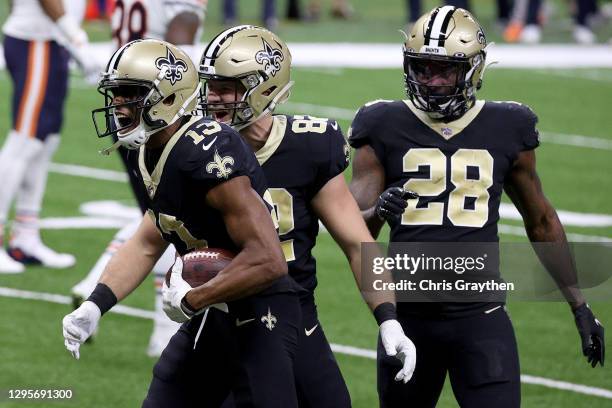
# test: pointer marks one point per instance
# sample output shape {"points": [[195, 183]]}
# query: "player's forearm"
{"points": [[182, 29], [252, 271], [373, 221], [53, 8], [550, 244], [128, 268], [364, 278]]}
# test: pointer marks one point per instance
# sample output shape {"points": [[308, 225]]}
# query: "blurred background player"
{"points": [[410, 144], [303, 159], [38, 37], [528, 17], [268, 13], [178, 22], [340, 9]]}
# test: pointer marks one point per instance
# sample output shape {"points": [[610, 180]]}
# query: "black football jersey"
{"points": [[457, 168], [300, 156], [199, 156]]}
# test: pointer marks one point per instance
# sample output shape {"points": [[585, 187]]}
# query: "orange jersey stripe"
{"points": [[43, 88], [26, 88]]}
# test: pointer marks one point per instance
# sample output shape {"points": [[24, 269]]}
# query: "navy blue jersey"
{"points": [[458, 168], [200, 155], [300, 156]]}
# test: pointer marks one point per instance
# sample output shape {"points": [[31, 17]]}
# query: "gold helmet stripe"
{"points": [[436, 29]]}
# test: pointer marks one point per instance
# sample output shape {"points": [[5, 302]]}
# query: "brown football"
{"points": [[201, 265]]}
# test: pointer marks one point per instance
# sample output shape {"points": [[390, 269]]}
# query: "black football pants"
{"points": [[318, 379], [479, 353], [249, 351]]}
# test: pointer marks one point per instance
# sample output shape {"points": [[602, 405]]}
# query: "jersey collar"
{"points": [[277, 133], [151, 181], [450, 129]]}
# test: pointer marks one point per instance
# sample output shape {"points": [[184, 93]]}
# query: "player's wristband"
{"points": [[103, 297], [187, 308], [385, 311]]}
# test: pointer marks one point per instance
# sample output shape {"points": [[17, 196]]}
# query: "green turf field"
{"points": [[114, 372]]}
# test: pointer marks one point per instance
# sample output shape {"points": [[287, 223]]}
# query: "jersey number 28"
{"points": [[467, 187]]}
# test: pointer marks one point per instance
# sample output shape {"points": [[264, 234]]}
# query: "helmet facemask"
{"points": [[442, 86], [237, 112], [129, 120]]}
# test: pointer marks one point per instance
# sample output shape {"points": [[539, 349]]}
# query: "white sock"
{"points": [[87, 285], [17, 155], [32, 189]]}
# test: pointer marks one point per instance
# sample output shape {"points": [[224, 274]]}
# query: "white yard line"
{"points": [[520, 232], [88, 172], [337, 348]]}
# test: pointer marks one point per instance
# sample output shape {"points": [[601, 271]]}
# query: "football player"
{"points": [[38, 36], [246, 74], [204, 188], [458, 154], [178, 22]]}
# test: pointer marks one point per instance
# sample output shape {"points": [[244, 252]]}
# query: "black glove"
{"points": [[592, 335], [392, 202]]}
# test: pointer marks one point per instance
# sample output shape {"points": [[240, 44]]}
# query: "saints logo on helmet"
{"points": [[257, 62], [147, 85], [271, 58], [174, 67], [444, 60]]}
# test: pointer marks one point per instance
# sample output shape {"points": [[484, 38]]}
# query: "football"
{"points": [[201, 265]]}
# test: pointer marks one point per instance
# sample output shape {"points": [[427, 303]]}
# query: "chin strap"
{"points": [[181, 112], [110, 149], [486, 50]]}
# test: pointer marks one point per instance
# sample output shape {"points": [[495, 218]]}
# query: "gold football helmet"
{"points": [[258, 61], [447, 42], [156, 79]]}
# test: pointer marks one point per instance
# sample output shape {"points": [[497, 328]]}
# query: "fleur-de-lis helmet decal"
{"points": [[174, 67], [271, 58]]}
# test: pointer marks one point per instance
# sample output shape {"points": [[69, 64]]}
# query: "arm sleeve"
{"points": [[172, 8], [359, 132], [529, 131]]}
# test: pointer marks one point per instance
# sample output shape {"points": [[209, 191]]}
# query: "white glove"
{"points": [[397, 344], [173, 295], [79, 325], [75, 40]]}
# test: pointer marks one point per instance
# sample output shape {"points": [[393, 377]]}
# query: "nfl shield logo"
{"points": [[447, 132]]}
